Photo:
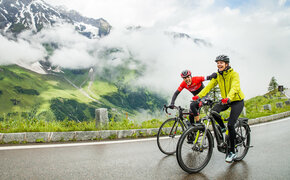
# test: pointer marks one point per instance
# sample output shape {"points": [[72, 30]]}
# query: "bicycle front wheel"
{"points": [[193, 156], [168, 135]]}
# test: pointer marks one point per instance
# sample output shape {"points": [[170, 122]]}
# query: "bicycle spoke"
{"points": [[242, 141]]}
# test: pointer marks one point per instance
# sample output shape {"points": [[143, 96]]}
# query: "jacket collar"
{"points": [[226, 71]]}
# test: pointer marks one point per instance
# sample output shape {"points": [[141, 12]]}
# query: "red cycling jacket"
{"points": [[195, 87]]}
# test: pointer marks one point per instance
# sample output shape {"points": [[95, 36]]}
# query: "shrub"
{"points": [[26, 91]]}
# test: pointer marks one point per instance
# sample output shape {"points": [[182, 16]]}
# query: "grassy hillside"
{"points": [[53, 97], [254, 106], [25, 92]]}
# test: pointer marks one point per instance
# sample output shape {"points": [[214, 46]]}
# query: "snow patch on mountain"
{"points": [[35, 67], [20, 15]]}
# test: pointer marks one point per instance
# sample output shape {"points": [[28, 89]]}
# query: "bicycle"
{"points": [[192, 158], [171, 129]]}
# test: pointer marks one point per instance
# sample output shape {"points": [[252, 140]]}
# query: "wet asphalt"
{"points": [[268, 159]]}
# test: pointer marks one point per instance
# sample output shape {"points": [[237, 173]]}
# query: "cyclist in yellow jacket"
{"points": [[229, 84]]}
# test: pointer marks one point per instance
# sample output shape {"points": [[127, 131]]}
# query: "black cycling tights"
{"points": [[194, 106], [236, 109]]}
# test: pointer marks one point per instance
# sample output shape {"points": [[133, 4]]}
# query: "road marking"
{"points": [[106, 142], [271, 122], [76, 144], [73, 144]]}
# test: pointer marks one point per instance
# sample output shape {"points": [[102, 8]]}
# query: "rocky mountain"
{"points": [[19, 15], [176, 35], [198, 41]]}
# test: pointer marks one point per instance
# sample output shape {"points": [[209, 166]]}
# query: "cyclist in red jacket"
{"points": [[193, 85]]}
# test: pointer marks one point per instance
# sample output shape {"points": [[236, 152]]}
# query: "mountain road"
{"points": [[141, 159]]}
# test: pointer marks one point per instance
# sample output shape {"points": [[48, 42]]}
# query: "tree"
{"points": [[273, 84]]}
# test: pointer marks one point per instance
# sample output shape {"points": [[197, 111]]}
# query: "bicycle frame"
{"points": [[178, 119], [180, 116], [221, 144]]}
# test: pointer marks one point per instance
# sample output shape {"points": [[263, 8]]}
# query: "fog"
{"points": [[12, 52], [254, 34]]}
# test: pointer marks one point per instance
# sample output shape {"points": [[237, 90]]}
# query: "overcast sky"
{"points": [[255, 34]]}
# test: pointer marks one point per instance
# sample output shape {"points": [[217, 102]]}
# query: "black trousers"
{"points": [[194, 106], [236, 109]]}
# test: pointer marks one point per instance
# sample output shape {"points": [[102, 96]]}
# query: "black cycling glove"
{"points": [[213, 75], [171, 106]]}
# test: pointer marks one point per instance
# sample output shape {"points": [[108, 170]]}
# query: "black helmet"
{"points": [[224, 58], [185, 73]]}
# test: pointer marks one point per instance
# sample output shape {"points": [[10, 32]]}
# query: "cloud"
{"points": [[282, 2], [72, 58], [256, 39], [12, 52], [74, 50]]}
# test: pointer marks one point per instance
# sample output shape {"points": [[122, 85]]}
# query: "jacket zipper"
{"points": [[225, 85], [239, 96]]}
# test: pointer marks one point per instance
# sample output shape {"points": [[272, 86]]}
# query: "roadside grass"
{"points": [[34, 125]]}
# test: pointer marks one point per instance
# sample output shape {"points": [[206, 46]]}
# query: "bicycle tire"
{"points": [[167, 139], [188, 156], [243, 138]]}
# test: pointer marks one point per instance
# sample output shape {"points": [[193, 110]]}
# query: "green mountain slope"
{"points": [[71, 95]]}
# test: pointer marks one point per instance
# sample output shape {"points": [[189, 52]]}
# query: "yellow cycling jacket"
{"points": [[229, 84]]}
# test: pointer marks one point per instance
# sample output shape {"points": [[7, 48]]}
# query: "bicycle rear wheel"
{"points": [[242, 141], [168, 135], [192, 158]]}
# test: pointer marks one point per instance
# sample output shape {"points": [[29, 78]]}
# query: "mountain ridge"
{"points": [[19, 15]]}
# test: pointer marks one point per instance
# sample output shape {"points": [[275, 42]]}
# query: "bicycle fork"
{"points": [[200, 144], [174, 129]]}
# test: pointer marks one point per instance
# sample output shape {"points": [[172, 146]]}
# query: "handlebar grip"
{"points": [[165, 108]]}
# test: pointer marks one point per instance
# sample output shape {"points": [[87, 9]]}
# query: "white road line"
{"points": [[73, 144], [106, 142], [271, 122]]}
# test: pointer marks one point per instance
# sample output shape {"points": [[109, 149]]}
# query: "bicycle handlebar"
{"points": [[179, 108], [206, 102]]}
